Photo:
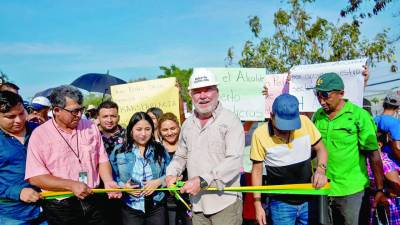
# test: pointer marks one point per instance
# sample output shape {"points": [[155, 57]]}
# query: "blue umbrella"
{"points": [[96, 82], [46, 93]]}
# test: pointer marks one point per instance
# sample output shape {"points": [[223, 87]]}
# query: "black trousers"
{"points": [[156, 215], [72, 211], [177, 213]]}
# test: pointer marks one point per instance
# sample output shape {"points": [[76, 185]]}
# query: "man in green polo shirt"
{"points": [[349, 134]]}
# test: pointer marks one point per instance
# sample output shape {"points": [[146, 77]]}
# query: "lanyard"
{"points": [[70, 148]]}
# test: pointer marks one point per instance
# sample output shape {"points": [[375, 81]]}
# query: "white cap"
{"points": [[90, 107], [202, 77], [40, 102]]}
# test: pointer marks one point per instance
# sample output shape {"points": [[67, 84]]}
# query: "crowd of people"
{"points": [[51, 145]]}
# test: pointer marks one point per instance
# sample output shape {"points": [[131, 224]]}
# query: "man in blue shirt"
{"points": [[388, 124], [17, 197]]}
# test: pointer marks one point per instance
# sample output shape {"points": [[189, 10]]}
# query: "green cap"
{"points": [[329, 82]]}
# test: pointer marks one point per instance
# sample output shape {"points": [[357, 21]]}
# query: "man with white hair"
{"points": [[211, 145]]}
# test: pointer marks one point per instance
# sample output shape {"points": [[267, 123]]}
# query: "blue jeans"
{"points": [[282, 213], [11, 221]]}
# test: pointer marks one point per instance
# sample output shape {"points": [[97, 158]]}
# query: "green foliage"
{"points": [[182, 77], [354, 5], [3, 77], [255, 25], [375, 100], [94, 99], [300, 39]]}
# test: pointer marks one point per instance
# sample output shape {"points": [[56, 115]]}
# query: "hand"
{"points": [[192, 186], [289, 77], [80, 190], [170, 180], [150, 185], [112, 184], [29, 195], [365, 73], [260, 214], [178, 85], [319, 179], [265, 91], [380, 199], [134, 193]]}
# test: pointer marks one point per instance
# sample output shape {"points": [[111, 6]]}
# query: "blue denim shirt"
{"points": [[12, 174], [130, 165]]}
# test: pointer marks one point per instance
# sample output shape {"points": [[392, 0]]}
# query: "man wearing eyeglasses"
{"points": [[67, 153], [348, 133]]}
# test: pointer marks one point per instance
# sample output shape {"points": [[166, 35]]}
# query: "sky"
{"points": [[46, 43]]}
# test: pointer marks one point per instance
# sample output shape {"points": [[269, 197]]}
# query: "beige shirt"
{"points": [[213, 152]]}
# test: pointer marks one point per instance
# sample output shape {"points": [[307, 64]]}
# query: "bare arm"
{"points": [[395, 145], [322, 155], [319, 179], [256, 180], [105, 172], [393, 181], [377, 168]]}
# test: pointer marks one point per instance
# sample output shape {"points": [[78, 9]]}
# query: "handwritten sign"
{"points": [[139, 96], [305, 76], [276, 84], [240, 91]]}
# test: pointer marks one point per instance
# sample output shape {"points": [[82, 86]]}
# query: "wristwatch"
{"points": [[322, 166], [203, 183], [383, 190]]}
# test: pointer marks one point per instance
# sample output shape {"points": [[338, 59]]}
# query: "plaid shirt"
{"points": [[394, 206], [117, 138]]}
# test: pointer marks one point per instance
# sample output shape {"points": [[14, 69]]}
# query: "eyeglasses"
{"points": [[75, 112], [322, 94]]}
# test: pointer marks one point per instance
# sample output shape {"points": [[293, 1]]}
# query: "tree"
{"points": [[94, 99], [182, 77], [354, 6], [375, 100], [300, 39], [3, 77]]}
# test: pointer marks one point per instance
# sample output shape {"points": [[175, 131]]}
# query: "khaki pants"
{"points": [[231, 215]]}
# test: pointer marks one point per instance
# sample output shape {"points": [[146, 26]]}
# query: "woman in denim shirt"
{"points": [[140, 163]]}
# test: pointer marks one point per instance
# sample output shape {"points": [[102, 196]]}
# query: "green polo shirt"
{"points": [[349, 132]]}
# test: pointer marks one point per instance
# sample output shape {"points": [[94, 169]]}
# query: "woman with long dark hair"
{"points": [[140, 163]]}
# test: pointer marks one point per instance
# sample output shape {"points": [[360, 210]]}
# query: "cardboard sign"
{"points": [[139, 96]]}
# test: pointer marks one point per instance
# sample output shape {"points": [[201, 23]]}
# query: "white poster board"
{"points": [[305, 76]]}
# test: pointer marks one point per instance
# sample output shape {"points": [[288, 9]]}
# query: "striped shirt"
{"points": [[287, 162]]}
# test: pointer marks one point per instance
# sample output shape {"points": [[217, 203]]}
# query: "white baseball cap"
{"points": [[91, 107], [202, 77], [40, 102]]}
